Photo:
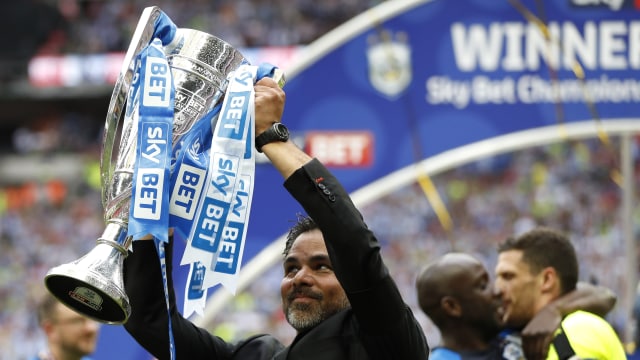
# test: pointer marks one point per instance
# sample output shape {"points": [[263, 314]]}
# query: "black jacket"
{"points": [[379, 325]]}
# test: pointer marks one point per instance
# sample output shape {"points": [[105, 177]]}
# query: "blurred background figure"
{"points": [[70, 336]]}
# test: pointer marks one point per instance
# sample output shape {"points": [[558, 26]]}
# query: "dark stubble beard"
{"points": [[303, 317]]}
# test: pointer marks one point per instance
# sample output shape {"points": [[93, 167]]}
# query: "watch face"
{"points": [[281, 131]]}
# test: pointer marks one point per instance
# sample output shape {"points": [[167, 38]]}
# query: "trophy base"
{"points": [[89, 293]]}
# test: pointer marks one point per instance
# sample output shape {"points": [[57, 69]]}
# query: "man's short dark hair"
{"points": [[47, 307], [302, 225], [544, 247]]}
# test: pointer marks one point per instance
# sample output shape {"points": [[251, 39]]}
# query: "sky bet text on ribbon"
{"points": [[149, 212], [217, 239]]}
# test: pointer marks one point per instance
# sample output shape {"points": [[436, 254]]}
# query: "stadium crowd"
{"points": [[34, 237], [98, 26], [105, 26], [85, 27], [563, 185]]}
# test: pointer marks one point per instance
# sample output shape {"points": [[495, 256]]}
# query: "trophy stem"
{"points": [[93, 285]]}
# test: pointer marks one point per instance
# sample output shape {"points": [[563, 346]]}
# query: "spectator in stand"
{"points": [[70, 336]]}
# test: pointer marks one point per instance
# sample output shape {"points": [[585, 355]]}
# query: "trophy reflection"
{"points": [[93, 285]]}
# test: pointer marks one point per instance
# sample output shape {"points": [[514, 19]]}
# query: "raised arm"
{"points": [[286, 157], [385, 324]]}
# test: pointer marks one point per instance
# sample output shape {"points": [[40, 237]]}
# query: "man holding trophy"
{"points": [[195, 112], [336, 291]]}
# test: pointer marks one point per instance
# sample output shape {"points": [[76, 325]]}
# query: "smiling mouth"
{"points": [[302, 296], [302, 299]]}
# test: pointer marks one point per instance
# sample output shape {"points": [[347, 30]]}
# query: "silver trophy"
{"points": [[93, 285]]}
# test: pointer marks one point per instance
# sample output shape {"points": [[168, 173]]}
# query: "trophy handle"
{"points": [[141, 37]]}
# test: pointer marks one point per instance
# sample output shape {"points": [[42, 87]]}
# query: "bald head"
{"points": [[446, 276], [455, 292]]}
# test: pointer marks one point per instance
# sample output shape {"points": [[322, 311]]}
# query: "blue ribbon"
{"points": [[204, 231], [190, 164], [149, 213], [164, 29], [189, 172], [153, 82]]}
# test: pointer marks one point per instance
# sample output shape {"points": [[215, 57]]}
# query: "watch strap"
{"points": [[277, 132]]}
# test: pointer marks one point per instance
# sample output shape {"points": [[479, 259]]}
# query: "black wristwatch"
{"points": [[277, 132]]}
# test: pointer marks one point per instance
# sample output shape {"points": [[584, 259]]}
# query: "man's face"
{"points": [[72, 333], [518, 287], [482, 307], [310, 290]]}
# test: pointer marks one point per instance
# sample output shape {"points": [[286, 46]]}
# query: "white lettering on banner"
{"points": [[613, 4], [232, 119], [239, 208], [157, 84], [228, 256], [216, 204], [207, 232], [443, 90], [186, 192], [245, 78], [488, 91], [534, 89], [215, 213], [518, 46], [341, 148], [528, 89], [234, 113], [195, 289], [154, 144], [224, 180], [148, 197]]}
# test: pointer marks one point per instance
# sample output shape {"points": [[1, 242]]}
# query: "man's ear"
{"points": [[451, 306], [47, 326], [550, 281]]}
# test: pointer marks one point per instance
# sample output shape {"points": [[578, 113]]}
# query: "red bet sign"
{"points": [[344, 148]]}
